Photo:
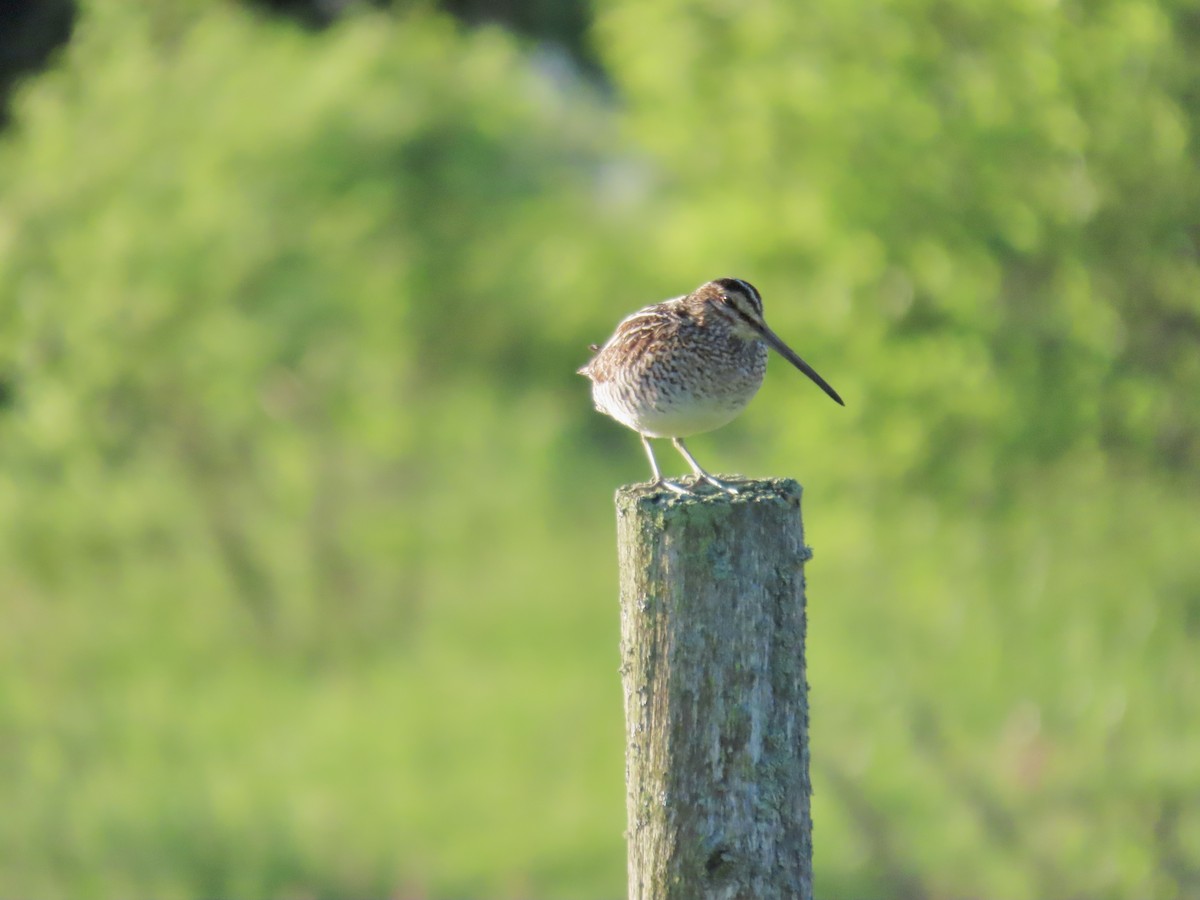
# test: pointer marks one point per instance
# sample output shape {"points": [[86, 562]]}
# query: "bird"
{"points": [[688, 365]]}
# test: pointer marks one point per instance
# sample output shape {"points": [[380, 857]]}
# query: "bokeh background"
{"points": [[307, 569]]}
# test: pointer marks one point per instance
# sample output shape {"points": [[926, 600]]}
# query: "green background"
{"points": [[307, 569]]}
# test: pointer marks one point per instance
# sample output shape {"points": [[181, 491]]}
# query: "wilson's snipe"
{"points": [[688, 365]]}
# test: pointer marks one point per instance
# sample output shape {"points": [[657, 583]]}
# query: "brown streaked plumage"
{"points": [[688, 365]]}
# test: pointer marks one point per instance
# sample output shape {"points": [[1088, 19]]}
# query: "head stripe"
{"points": [[737, 285]]}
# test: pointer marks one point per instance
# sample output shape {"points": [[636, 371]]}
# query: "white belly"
{"points": [[668, 413]]}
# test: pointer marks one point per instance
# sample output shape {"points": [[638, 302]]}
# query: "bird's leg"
{"points": [[700, 473], [658, 479]]}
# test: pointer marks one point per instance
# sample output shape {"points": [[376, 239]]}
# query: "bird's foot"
{"points": [[685, 491], [671, 486], [701, 475], [719, 484]]}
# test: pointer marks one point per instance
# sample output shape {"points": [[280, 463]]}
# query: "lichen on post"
{"points": [[716, 707]]}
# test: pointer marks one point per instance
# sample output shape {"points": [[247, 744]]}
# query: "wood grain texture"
{"points": [[716, 708]]}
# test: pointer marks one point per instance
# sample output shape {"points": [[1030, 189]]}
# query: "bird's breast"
{"points": [[675, 389]]}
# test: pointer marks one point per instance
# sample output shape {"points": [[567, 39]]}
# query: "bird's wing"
{"points": [[634, 334]]}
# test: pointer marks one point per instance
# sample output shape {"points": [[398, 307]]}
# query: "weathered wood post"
{"points": [[716, 707]]}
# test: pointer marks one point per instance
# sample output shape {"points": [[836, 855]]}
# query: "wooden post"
{"points": [[716, 706]]}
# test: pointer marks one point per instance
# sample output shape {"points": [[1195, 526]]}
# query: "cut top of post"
{"points": [[660, 504]]}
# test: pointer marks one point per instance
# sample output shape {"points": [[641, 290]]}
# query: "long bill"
{"points": [[773, 340]]}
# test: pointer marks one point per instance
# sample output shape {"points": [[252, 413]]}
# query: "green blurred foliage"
{"points": [[258, 466], [30, 30], [1003, 197], [307, 568]]}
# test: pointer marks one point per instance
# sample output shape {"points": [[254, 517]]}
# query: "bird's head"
{"points": [[735, 302], [739, 304]]}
